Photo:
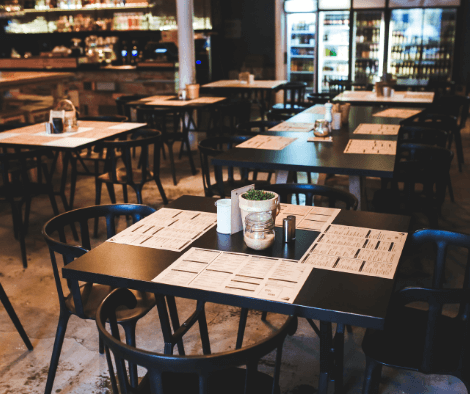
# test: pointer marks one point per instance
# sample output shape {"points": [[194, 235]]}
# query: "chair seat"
{"points": [[93, 295], [137, 176], [401, 343], [230, 381]]}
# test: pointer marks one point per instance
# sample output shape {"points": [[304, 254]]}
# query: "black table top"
{"points": [[323, 157], [327, 295]]}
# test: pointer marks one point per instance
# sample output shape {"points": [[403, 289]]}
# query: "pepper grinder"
{"points": [[328, 114]]}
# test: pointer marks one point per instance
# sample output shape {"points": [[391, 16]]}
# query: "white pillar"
{"points": [[186, 51], [280, 44]]}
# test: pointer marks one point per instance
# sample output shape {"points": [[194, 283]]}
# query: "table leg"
{"points": [[325, 356], [356, 187], [339, 358]]}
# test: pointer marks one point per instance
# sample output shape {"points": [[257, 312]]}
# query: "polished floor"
{"points": [[82, 370]]}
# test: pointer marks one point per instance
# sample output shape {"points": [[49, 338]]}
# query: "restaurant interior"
{"points": [[209, 196]]}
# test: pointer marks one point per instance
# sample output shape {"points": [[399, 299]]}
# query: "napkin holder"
{"points": [[236, 219]]}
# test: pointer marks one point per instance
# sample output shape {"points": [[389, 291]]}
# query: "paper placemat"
{"points": [[293, 126], [168, 228], [397, 113], [377, 129], [126, 126], [7, 134], [237, 273], [371, 147], [357, 250], [69, 142], [307, 218], [267, 142]]}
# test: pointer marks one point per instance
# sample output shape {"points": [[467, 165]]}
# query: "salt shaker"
{"points": [[288, 229]]}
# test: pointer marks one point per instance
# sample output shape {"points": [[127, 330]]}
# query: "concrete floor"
{"points": [[83, 370]]}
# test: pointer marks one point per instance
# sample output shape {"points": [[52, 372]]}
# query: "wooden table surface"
{"points": [[406, 99], [234, 83], [14, 79]]}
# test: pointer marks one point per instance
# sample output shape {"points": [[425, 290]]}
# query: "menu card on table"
{"points": [[169, 229], [308, 218], [357, 250], [398, 113], [292, 126], [378, 129], [371, 147], [268, 142], [237, 273]]}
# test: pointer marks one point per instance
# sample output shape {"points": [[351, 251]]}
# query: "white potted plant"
{"points": [[258, 201]]}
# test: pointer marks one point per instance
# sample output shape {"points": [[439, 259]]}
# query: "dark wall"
{"points": [[244, 37], [462, 46]]}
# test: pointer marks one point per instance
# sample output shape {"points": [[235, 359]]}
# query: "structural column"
{"points": [[186, 51]]}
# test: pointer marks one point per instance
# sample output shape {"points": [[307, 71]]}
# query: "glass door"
{"points": [[368, 46], [333, 50], [301, 41]]}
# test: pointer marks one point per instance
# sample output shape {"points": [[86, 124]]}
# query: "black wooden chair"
{"points": [[227, 115], [14, 318], [337, 86], [446, 122], [293, 101], [122, 101], [83, 301], [148, 143], [171, 123], [209, 373], [420, 183], [424, 340], [19, 188], [318, 98], [211, 147], [255, 127]]}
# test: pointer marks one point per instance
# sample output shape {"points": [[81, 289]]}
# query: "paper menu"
{"points": [[169, 229], [398, 113], [320, 139], [308, 218], [237, 273], [293, 126], [371, 147], [357, 250], [378, 129], [268, 142]]}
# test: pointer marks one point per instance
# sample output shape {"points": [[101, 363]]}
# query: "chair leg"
{"points": [[203, 331], [190, 155], [160, 189], [372, 377], [112, 195], [173, 311], [264, 315], [129, 329], [241, 327], [98, 186], [100, 345], [138, 193], [59, 340], [124, 194], [73, 182], [172, 163], [18, 223], [14, 318]]}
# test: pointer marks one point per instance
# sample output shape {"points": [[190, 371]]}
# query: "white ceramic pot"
{"points": [[249, 206]]}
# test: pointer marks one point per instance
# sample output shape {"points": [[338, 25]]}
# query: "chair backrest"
{"points": [[293, 94], [199, 367], [337, 86], [423, 135], [55, 235], [319, 98], [124, 109], [255, 127], [437, 297], [426, 165], [310, 191], [105, 118], [167, 120], [119, 153], [453, 105], [211, 147], [15, 168], [444, 122]]}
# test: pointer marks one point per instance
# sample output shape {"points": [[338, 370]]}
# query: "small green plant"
{"points": [[257, 195]]}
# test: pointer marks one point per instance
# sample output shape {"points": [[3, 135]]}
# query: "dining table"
{"points": [[259, 92], [325, 157], [16, 79], [397, 99], [69, 143], [327, 295]]}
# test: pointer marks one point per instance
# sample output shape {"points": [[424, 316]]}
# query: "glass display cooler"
{"points": [[301, 42], [421, 45], [333, 48], [368, 46]]}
